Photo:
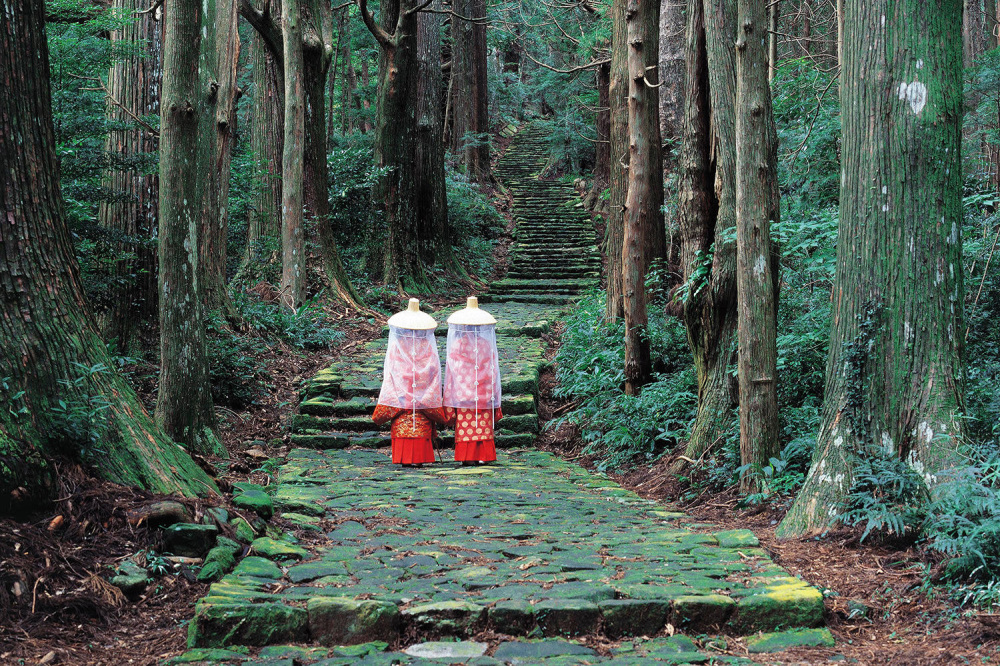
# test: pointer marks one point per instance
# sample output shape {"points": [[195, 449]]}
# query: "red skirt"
{"points": [[483, 450], [412, 450]]}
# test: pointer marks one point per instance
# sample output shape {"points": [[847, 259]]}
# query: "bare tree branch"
{"points": [[384, 39]]}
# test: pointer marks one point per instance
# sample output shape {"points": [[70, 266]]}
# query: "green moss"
{"points": [[784, 640], [247, 624]]}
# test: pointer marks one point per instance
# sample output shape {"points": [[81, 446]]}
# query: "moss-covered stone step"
{"points": [[373, 439], [309, 424], [530, 545], [326, 405], [528, 298]]}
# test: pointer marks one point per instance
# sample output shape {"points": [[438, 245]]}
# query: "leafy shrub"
{"points": [[236, 374], [618, 428], [78, 422], [305, 328], [475, 223]]}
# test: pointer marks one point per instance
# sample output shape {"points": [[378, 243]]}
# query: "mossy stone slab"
{"points": [[256, 500], [567, 617], [247, 624], [633, 617], [311, 571], [209, 656], [345, 621], [737, 539], [449, 651], [257, 567], [456, 618], [787, 606], [189, 539], [784, 640], [526, 652], [278, 550], [702, 612], [514, 617]]}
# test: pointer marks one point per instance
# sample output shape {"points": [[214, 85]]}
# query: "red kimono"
{"points": [[412, 432], [473, 439], [411, 395]]}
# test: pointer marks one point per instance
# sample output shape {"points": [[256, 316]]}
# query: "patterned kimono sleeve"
{"points": [[384, 414], [436, 415], [497, 414], [450, 414]]}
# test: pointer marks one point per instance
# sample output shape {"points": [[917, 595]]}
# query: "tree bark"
{"points": [[806, 10], [293, 258], [220, 50], [395, 141], [317, 53], [184, 401], [644, 201], [772, 37], [431, 196], [131, 311], [894, 376], [708, 239], [671, 78], [267, 140], [348, 96], [618, 103], [47, 332], [602, 159], [469, 101], [757, 208]]}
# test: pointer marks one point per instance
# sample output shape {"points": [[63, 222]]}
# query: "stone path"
{"points": [[531, 547], [555, 255], [554, 259], [539, 559]]}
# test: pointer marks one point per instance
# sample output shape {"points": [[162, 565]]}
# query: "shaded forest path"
{"points": [[530, 560]]}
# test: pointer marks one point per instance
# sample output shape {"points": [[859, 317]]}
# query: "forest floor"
{"points": [[71, 619]]}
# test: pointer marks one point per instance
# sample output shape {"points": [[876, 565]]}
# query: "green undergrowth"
{"points": [[619, 429]]}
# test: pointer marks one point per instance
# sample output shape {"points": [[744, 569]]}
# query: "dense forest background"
{"points": [[390, 192]]}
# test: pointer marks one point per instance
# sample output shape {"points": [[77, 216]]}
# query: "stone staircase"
{"points": [[555, 258]]}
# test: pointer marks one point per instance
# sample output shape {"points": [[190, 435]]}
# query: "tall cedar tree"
{"points": [[184, 402], [267, 142], [432, 197], [757, 204], [618, 105], [395, 141], [707, 199], [469, 99], [644, 201], [312, 62], [220, 50], [894, 375], [672, 13], [51, 348], [134, 83], [293, 239]]}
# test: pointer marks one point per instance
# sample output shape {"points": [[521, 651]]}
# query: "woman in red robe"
{"points": [[411, 387], [472, 383]]}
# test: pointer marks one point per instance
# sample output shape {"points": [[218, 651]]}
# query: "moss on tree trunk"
{"points": [[894, 376]]}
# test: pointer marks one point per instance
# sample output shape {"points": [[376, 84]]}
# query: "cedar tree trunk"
{"points": [[184, 402], [47, 332], [644, 200], [708, 243], [894, 375], [134, 82], [757, 208]]}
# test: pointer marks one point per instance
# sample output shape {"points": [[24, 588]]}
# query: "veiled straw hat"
{"points": [[412, 318], [472, 315]]}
